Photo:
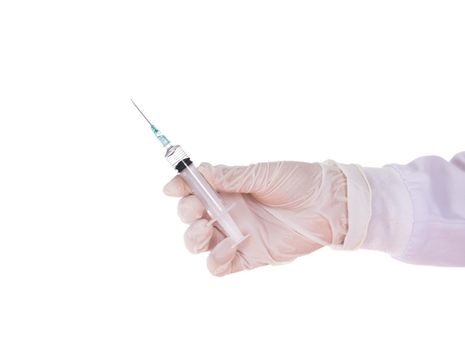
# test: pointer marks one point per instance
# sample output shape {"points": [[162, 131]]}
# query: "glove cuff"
{"points": [[358, 206]]}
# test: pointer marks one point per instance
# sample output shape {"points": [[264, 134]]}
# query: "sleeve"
{"points": [[414, 212]]}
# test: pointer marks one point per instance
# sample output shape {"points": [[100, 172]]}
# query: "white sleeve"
{"points": [[415, 212]]}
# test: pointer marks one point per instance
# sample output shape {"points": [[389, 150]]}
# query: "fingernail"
{"points": [[167, 189]]}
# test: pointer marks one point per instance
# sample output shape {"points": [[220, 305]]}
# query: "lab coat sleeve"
{"points": [[415, 212]]}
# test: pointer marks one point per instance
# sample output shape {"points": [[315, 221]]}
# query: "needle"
{"points": [[148, 121], [162, 138]]}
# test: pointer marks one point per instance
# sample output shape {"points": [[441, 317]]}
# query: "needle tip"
{"points": [[148, 121]]}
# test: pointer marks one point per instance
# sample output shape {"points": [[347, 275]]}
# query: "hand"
{"points": [[288, 209]]}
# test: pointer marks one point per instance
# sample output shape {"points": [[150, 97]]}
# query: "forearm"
{"points": [[414, 212]]}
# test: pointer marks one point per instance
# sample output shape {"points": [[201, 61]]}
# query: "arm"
{"points": [[415, 212]]}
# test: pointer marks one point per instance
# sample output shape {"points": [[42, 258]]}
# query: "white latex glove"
{"points": [[288, 209]]}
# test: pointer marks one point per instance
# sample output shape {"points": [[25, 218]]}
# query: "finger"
{"points": [[201, 236], [177, 187], [253, 178], [220, 260], [190, 209], [217, 237], [238, 264], [198, 235]]}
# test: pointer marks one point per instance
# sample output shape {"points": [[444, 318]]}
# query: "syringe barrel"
{"points": [[212, 202], [206, 194]]}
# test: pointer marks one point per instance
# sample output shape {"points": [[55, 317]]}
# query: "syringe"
{"points": [[179, 160]]}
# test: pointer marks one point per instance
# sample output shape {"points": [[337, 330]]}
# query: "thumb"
{"points": [[237, 179]]}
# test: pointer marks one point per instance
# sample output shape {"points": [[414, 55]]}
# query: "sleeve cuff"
{"points": [[380, 214], [391, 221]]}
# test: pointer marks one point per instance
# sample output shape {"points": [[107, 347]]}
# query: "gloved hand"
{"points": [[288, 209]]}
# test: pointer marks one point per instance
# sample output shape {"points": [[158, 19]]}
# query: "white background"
{"points": [[91, 251]]}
